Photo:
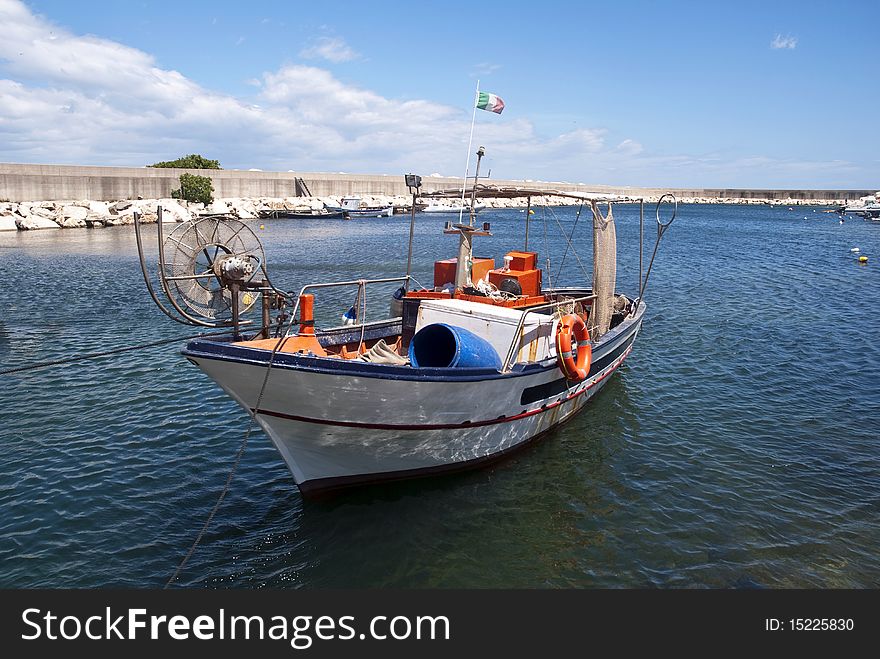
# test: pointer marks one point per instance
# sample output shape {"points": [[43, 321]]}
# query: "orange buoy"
{"points": [[571, 327]]}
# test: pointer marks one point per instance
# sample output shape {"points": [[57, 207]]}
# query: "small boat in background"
{"points": [[457, 207], [287, 214], [352, 207], [866, 207]]}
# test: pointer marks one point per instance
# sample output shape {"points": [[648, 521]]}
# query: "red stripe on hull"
{"points": [[443, 426]]}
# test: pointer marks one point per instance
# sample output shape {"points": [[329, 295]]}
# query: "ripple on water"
{"points": [[736, 447]]}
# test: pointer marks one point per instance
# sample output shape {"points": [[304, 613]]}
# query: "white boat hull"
{"points": [[452, 209], [386, 211], [339, 429]]}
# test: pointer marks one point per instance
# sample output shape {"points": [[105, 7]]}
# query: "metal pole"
{"points": [[480, 153], [465, 256], [528, 216], [266, 317], [467, 166], [412, 228], [641, 238], [233, 288]]}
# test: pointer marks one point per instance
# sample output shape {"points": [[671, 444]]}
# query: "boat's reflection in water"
{"points": [[501, 526]]}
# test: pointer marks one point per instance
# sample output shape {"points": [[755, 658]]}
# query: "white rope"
{"points": [[362, 286]]}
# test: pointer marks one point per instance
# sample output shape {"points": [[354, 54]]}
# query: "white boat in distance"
{"points": [[868, 211], [450, 208], [867, 207], [457, 376], [351, 206]]}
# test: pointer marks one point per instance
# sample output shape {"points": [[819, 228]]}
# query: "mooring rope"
{"points": [[587, 275], [546, 243], [241, 449], [106, 353], [569, 244], [234, 468]]}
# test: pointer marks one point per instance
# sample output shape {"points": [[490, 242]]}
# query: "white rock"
{"points": [[75, 213], [7, 223], [173, 211], [32, 222], [146, 205], [73, 223], [41, 211], [217, 207], [120, 220], [243, 208], [99, 208], [125, 216]]}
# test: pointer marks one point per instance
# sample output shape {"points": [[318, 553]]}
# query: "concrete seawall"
{"points": [[22, 182]]}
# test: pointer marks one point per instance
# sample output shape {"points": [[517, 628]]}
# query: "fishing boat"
{"points": [[351, 206], [867, 207], [455, 376], [457, 208], [289, 214]]}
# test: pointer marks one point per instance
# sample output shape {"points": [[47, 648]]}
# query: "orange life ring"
{"points": [[573, 326]]}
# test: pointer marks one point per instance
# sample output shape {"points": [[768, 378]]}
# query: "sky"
{"points": [[655, 94]]}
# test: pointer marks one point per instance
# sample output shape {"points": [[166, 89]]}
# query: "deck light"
{"points": [[413, 182]]}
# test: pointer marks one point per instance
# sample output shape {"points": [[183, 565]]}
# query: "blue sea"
{"points": [[738, 447]]}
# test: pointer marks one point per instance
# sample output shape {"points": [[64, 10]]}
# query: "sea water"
{"points": [[737, 447]]}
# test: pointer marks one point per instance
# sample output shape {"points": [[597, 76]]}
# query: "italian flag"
{"points": [[490, 102]]}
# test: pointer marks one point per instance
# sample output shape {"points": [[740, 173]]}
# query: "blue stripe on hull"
{"points": [[224, 351]]}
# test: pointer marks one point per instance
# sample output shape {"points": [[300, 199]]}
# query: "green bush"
{"points": [[195, 188], [192, 161]]}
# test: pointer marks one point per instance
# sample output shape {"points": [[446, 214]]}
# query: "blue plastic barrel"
{"points": [[444, 346]]}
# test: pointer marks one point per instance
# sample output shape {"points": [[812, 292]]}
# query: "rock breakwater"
{"points": [[76, 214]]}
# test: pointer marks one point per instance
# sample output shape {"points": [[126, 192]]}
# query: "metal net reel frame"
{"points": [[192, 269]]}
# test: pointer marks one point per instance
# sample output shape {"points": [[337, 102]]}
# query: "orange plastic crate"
{"points": [[529, 280], [444, 271]]}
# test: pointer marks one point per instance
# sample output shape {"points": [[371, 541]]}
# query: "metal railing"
{"points": [[517, 334], [362, 287], [661, 229]]}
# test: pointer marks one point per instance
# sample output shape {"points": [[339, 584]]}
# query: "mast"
{"points": [[467, 167], [473, 213], [466, 233]]}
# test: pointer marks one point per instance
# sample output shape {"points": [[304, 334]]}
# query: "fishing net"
{"points": [[190, 252], [604, 271]]}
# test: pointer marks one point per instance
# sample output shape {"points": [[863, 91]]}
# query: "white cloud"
{"points": [[332, 49], [485, 68], [783, 42], [85, 100], [630, 147]]}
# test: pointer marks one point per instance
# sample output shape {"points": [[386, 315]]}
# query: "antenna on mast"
{"points": [[467, 167], [466, 233]]}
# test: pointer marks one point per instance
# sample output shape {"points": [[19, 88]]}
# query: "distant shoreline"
{"points": [[74, 214]]}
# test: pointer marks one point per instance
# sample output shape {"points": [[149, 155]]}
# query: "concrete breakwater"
{"points": [[23, 182], [24, 216], [27, 215], [66, 196]]}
